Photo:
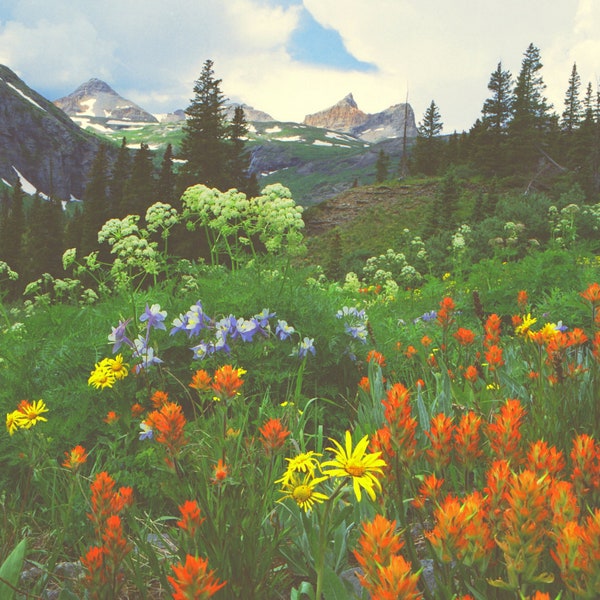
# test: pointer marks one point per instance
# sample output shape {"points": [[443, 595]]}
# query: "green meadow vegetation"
{"points": [[202, 400]]}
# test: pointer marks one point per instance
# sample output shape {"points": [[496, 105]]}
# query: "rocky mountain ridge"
{"points": [[40, 144], [95, 98], [345, 116]]}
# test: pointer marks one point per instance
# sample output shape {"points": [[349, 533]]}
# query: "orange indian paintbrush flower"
{"points": [[193, 581]]}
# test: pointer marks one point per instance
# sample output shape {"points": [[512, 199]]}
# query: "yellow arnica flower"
{"points": [[363, 468], [116, 366], [14, 420], [525, 326], [302, 490], [102, 376], [307, 462], [32, 413]]}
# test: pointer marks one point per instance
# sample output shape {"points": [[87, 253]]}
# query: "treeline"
{"points": [[519, 133], [35, 233]]}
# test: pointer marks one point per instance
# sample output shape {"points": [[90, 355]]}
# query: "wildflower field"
{"points": [[245, 428]]}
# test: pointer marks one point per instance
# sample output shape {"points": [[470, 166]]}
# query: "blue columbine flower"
{"points": [[306, 345], [145, 353], [154, 316], [428, 316], [118, 337], [146, 432], [245, 329], [283, 330], [263, 318]]}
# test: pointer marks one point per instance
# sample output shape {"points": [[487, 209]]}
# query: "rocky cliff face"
{"points": [[343, 116], [95, 98], [41, 142], [346, 117], [251, 113]]}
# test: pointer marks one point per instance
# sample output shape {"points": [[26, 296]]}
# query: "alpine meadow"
{"points": [[259, 360]]}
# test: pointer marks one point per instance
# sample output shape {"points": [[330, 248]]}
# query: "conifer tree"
{"points": [[428, 149], [489, 134], [382, 166], [43, 239], [15, 229], [140, 189], [572, 113], [204, 145], [531, 113], [497, 109], [95, 202], [4, 212], [118, 180], [239, 159], [165, 186]]}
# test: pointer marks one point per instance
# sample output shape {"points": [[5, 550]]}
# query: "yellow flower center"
{"points": [[355, 468], [301, 493]]}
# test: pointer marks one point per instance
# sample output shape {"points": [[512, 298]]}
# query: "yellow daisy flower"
{"points": [[32, 413], [525, 326], [302, 490], [14, 421], [102, 376], [305, 462], [116, 366], [363, 468]]}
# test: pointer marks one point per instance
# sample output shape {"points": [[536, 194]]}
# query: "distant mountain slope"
{"points": [[96, 99], [346, 117], [39, 141]]}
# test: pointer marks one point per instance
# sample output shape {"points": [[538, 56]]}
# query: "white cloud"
{"points": [[152, 51]]}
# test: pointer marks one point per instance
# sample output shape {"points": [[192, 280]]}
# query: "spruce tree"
{"points": [[118, 180], [15, 230], [531, 113], [204, 143], [43, 239], [4, 212], [572, 113], [428, 149], [140, 189], [489, 134], [165, 186], [239, 160], [497, 109], [95, 202]]}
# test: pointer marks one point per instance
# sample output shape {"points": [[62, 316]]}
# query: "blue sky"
{"points": [[291, 58]]}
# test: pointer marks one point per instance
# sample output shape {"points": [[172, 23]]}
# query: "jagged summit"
{"points": [[97, 99], [346, 117], [93, 86], [343, 116]]}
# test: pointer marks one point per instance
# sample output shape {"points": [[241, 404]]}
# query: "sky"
{"points": [[291, 58]]}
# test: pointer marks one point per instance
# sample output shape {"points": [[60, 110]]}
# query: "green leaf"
{"points": [[10, 570], [333, 586], [305, 589]]}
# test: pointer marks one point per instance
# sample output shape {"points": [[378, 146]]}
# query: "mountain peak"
{"points": [[94, 86], [95, 98], [348, 100]]}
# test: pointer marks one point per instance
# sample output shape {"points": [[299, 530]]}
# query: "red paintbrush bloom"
{"points": [[273, 435], [168, 425], [190, 517], [227, 382], [492, 331], [465, 337], [440, 436], [504, 432], [75, 458], [193, 580], [467, 440]]}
